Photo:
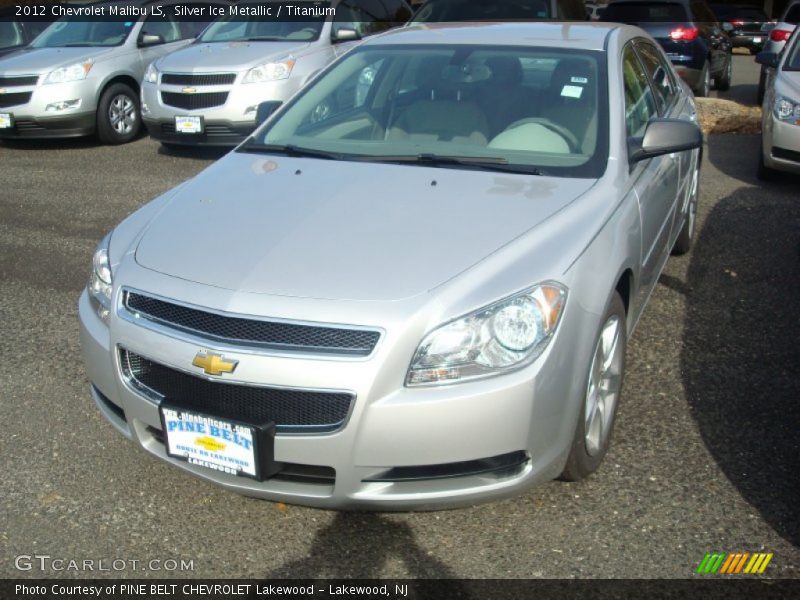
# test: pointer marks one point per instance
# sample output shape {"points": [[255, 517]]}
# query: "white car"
{"points": [[780, 124]]}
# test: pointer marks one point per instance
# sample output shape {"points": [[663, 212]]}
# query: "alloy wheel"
{"points": [[602, 392], [122, 114]]}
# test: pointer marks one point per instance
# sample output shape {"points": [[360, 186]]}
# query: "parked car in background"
{"points": [[443, 11], [747, 26], [16, 33], [778, 36], [780, 115], [593, 11], [415, 298], [81, 77], [207, 93], [688, 32]]}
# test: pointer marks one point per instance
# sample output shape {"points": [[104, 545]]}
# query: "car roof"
{"points": [[585, 34]]}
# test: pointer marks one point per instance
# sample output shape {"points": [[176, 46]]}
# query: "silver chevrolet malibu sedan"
{"points": [[418, 297]]}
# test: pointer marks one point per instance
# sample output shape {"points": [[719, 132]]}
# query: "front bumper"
{"points": [[33, 120], [781, 145], [528, 414], [227, 124]]}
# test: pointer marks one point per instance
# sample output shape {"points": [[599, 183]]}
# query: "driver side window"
{"points": [[640, 105]]}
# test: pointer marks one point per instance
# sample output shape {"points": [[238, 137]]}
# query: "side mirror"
{"points": [[345, 34], [265, 110], [148, 39], [768, 59], [664, 136]]}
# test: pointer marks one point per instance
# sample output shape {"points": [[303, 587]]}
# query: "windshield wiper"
{"points": [[290, 150], [488, 163]]}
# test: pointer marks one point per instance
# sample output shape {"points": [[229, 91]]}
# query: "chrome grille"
{"points": [[276, 335], [198, 78], [298, 411]]}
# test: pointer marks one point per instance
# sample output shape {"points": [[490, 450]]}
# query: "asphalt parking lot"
{"points": [[706, 450]]}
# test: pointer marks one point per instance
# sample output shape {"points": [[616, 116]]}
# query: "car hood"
{"points": [[348, 231], [29, 61], [226, 56]]}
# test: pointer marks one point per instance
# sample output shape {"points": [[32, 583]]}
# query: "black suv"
{"points": [[688, 32], [747, 26], [14, 33]]}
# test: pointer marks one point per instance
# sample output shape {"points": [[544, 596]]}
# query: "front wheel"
{"points": [[684, 242], [118, 117], [704, 85], [603, 385], [723, 82]]}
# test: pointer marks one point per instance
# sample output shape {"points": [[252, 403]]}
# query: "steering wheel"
{"points": [[569, 137]]}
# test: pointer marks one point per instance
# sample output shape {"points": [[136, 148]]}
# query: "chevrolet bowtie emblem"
{"points": [[213, 363], [189, 90]]}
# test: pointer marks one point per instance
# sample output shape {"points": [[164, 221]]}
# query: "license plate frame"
{"points": [[181, 445], [189, 124]]}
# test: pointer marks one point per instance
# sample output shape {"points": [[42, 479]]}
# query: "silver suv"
{"points": [[208, 93], [81, 76]]}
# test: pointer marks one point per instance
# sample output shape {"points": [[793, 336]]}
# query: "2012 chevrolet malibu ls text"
{"points": [[418, 297]]}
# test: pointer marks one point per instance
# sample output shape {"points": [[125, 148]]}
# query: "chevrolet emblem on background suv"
{"points": [[189, 90], [213, 363]]}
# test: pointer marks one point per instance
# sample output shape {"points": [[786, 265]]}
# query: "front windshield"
{"points": [[522, 109], [442, 11], [234, 29], [78, 33], [10, 34]]}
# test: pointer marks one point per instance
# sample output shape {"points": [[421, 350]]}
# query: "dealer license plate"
{"points": [[211, 442], [6, 120], [189, 124]]}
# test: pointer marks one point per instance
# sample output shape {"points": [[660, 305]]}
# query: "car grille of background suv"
{"points": [[20, 81], [276, 335], [14, 99], [194, 101], [292, 411], [198, 78]]}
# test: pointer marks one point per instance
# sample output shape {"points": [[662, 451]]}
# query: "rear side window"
{"points": [[660, 74], [640, 104], [645, 12]]}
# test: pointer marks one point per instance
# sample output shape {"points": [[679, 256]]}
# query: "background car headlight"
{"points": [[503, 336], [271, 71], [787, 110], [151, 75], [100, 281], [71, 73]]}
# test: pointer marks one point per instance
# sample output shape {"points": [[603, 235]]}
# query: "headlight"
{"points": [[498, 338], [787, 110], [71, 73], [151, 75], [100, 281], [272, 71]]}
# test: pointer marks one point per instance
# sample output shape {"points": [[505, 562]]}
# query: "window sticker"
{"points": [[572, 91], [579, 80]]}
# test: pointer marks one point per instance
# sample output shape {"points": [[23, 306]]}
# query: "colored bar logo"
{"points": [[724, 563]]}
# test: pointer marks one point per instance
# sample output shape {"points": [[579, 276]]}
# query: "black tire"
{"points": [[764, 173], [684, 241], [704, 85], [762, 86], [119, 100], [581, 461], [723, 82]]}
